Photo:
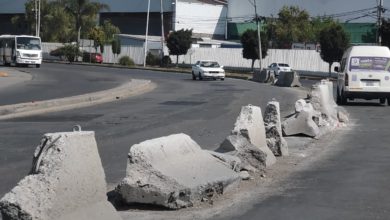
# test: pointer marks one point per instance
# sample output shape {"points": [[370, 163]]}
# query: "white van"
{"points": [[364, 73]]}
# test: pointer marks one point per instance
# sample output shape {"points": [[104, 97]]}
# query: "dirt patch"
{"points": [[3, 74]]}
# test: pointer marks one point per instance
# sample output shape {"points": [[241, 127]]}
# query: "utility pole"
{"points": [[36, 17], [380, 11], [146, 34], [39, 18], [258, 34], [162, 29]]}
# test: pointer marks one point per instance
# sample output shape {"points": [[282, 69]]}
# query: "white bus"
{"points": [[20, 50]]}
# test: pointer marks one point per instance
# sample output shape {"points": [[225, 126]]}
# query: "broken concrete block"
{"points": [[173, 172], [301, 123], [323, 101], [273, 129], [67, 179], [250, 124], [288, 79], [250, 155], [342, 115], [245, 175], [231, 161]]}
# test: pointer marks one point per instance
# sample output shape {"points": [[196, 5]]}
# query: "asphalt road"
{"points": [[205, 110]]}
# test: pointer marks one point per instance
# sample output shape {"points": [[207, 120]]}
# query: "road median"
{"points": [[132, 88]]}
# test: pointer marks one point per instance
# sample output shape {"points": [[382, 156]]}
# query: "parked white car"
{"points": [[279, 67], [208, 69]]}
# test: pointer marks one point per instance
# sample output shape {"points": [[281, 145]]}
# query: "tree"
{"points": [[292, 26], [178, 42], [250, 44], [334, 41], [84, 13], [97, 35], [385, 32], [110, 31], [116, 46]]}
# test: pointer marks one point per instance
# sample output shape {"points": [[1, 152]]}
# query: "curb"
{"points": [[132, 88]]}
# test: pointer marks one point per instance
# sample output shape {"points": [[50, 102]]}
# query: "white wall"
{"points": [[307, 60], [202, 18]]}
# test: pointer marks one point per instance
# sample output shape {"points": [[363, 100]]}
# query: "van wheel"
{"points": [[200, 76], [38, 65], [382, 101], [338, 97], [388, 101], [343, 99]]}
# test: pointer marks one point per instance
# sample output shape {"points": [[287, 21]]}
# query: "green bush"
{"points": [[166, 61], [126, 61], [70, 52], [152, 60]]}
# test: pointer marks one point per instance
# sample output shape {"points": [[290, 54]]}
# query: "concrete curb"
{"points": [[132, 88]]}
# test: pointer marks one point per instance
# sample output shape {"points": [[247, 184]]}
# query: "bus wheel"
{"points": [[38, 65]]}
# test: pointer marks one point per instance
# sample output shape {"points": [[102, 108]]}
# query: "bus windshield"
{"points": [[370, 63], [28, 43]]}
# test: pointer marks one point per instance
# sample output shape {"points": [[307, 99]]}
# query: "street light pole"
{"points": [[36, 17], [162, 29], [258, 34], [39, 18], [146, 34], [380, 11]]}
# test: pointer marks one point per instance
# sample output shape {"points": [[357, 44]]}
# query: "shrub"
{"points": [[126, 61], [166, 61], [70, 52], [152, 60]]}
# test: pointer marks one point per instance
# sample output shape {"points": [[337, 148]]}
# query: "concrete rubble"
{"points": [[301, 122], [67, 181], [173, 172], [273, 129], [252, 158], [288, 79], [316, 115], [250, 124]]}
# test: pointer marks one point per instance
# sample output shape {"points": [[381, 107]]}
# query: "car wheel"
{"points": [[222, 79], [38, 65], [200, 76], [193, 76], [382, 101]]}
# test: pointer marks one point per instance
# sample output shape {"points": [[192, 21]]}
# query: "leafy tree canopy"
{"points": [[178, 42], [334, 41], [250, 44], [385, 31]]}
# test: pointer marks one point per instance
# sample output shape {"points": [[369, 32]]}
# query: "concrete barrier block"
{"points": [[288, 79], [323, 101], [67, 178], [249, 154], [230, 160], [301, 123], [273, 129], [173, 172], [250, 124]]}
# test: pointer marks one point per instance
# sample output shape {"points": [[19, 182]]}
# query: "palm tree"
{"points": [[84, 13]]}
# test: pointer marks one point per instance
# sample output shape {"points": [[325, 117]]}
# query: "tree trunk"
{"points": [[330, 70], [177, 60], [253, 64]]}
